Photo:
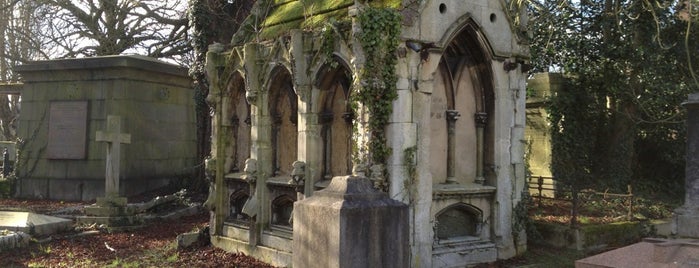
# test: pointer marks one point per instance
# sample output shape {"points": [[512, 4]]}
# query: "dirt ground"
{"points": [[151, 246]]}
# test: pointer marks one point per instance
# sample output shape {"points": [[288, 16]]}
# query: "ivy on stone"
{"points": [[379, 38]]}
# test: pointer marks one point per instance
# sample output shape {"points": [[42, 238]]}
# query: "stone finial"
{"points": [[250, 175], [298, 174], [250, 170]]}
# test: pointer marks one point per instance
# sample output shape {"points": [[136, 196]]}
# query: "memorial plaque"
{"points": [[67, 130]]}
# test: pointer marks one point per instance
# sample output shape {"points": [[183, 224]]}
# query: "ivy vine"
{"points": [[379, 38]]}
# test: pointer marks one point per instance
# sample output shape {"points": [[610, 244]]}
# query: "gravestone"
{"points": [[111, 209], [65, 102], [687, 216]]}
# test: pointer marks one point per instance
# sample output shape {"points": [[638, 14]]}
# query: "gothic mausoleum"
{"points": [[425, 98]]}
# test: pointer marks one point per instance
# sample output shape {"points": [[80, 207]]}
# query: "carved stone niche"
{"points": [[238, 194], [237, 201], [282, 197], [458, 222]]}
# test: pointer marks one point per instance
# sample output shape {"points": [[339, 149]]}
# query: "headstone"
{"points": [[687, 216], [112, 209], [32, 223], [350, 224]]}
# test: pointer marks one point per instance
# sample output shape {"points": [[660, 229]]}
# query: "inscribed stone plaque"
{"points": [[67, 130]]}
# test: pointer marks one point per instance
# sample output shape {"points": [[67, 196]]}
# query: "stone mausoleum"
{"points": [[66, 102], [291, 113]]}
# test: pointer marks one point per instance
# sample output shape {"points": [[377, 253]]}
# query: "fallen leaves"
{"points": [[151, 246]]}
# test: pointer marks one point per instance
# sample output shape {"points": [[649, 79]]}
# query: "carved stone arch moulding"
{"points": [[328, 74]]}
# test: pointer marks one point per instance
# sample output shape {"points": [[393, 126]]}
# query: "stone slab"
{"points": [[650, 253], [32, 223]]}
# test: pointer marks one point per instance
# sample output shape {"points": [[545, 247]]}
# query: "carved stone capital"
{"points": [[251, 96], [453, 115], [481, 119]]}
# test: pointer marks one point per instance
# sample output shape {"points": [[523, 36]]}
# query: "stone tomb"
{"points": [[284, 99], [64, 104]]}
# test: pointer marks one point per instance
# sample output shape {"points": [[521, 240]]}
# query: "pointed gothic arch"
{"points": [[238, 120], [283, 111], [461, 102], [335, 116]]}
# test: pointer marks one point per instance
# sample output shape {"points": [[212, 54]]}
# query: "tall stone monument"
{"points": [[687, 216]]}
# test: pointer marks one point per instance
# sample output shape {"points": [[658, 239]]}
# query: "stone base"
{"points": [[101, 211], [112, 212], [112, 201], [686, 222]]}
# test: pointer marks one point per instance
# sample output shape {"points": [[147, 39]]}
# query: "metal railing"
{"points": [[542, 188]]}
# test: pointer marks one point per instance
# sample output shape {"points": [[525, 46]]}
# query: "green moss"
{"points": [[285, 15]]}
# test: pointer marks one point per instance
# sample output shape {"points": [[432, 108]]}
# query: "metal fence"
{"points": [[617, 204]]}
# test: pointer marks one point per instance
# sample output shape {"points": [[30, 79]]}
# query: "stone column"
{"points": [[452, 116], [687, 216], [481, 121]]}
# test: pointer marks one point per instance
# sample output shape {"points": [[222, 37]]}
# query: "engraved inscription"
{"points": [[67, 130]]}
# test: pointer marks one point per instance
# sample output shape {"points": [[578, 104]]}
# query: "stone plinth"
{"points": [[350, 224], [687, 216], [112, 212]]}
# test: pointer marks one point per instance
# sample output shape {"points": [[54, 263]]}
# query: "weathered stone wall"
{"points": [[154, 100]]}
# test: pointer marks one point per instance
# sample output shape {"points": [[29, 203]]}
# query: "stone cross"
{"points": [[114, 139]]}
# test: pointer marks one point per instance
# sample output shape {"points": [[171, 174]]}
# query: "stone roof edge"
{"points": [[101, 62]]}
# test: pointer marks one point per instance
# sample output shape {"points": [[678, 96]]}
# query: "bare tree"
{"points": [[16, 18], [50, 29], [78, 28]]}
